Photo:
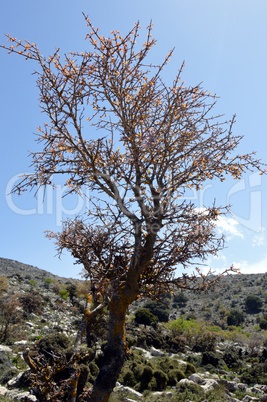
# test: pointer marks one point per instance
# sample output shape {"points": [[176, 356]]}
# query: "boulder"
{"points": [[6, 349], [129, 391], [210, 385], [196, 379], [3, 391]]}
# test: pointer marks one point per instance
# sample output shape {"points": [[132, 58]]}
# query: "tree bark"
{"points": [[116, 349]]}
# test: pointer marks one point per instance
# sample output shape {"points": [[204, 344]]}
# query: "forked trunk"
{"points": [[115, 351]]}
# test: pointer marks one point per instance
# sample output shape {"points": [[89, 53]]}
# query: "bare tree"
{"points": [[10, 315], [138, 144]]}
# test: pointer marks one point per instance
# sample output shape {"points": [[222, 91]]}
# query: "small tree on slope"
{"points": [[137, 144]]}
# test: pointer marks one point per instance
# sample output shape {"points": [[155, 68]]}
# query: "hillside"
{"points": [[192, 347]]}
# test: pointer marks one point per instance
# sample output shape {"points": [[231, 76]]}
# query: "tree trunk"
{"points": [[115, 351]]}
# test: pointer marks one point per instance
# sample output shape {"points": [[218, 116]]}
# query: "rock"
{"points": [[156, 352], [22, 342], [134, 392], [196, 379], [249, 398], [255, 390], [210, 385], [30, 324], [166, 393], [233, 386], [14, 382], [206, 384], [16, 395], [21, 380], [129, 400], [5, 349], [3, 390], [128, 390], [147, 355], [186, 381]]}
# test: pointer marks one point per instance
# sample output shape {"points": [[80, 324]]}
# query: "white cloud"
{"points": [[229, 226], [259, 239], [258, 267]]}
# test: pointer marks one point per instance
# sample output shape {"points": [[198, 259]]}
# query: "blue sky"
{"points": [[223, 45]]}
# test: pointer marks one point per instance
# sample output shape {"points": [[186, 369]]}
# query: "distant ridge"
{"points": [[9, 268]]}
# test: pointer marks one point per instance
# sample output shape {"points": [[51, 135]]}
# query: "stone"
{"points": [[22, 342], [186, 381], [129, 400], [3, 391], [16, 395], [6, 349], [249, 398], [21, 380], [165, 393], [131, 391], [14, 382], [156, 352], [210, 385], [196, 379], [30, 324]]}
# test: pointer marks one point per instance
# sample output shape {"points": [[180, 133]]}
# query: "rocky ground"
{"points": [[194, 355]]}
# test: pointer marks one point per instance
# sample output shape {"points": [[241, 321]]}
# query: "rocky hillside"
{"points": [[188, 347]]}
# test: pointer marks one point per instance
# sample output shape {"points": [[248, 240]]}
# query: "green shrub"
{"points": [[158, 309], [257, 373], [129, 378], [71, 288], [188, 328], [231, 357], [53, 345], [47, 282], [145, 378], [174, 376], [161, 379], [33, 282], [263, 323], [253, 304], [210, 358], [147, 374], [190, 392], [205, 341], [235, 317], [180, 299], [189, 369], [64, 293], [145, 317], [138, 371], [177, 344]]}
